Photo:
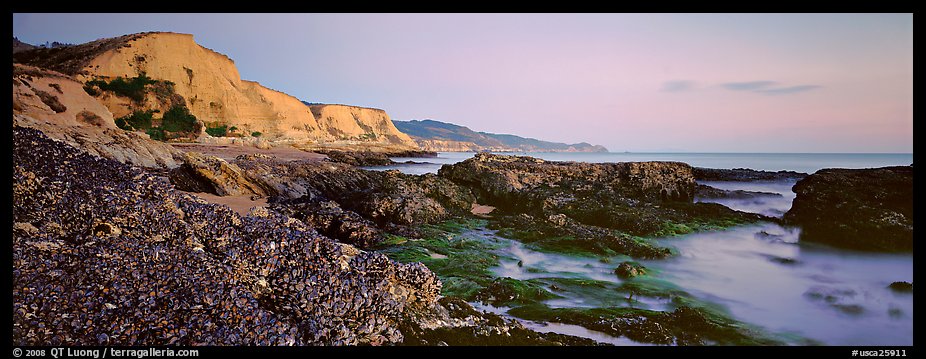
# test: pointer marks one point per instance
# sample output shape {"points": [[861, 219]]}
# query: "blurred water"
{"points": [[762, 274], [800, 162], [774, 205]]}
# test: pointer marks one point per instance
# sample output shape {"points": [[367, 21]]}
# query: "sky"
{"points": [[630, 82]]}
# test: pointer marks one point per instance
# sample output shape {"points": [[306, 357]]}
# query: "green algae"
{"points": [[684, 326], [462, 263]]}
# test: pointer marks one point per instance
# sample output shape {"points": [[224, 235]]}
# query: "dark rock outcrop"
{"points": [[559, 231], [744, 175], [579, 199], [523, 183], [902, 287], [683, 326], [106, 254], [359, 158], [384, 197], [866, 209]]}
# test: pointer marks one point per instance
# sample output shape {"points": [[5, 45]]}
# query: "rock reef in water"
{"points": [[520, 182], [902, 287], [587, 202], [866, 209], [744, 175]]}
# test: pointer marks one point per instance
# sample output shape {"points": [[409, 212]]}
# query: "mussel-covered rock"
{"points": [[105, 254]]}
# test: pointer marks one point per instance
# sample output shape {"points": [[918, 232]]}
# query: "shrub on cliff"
{"points": [[178, 119], [50, 100], [219, 131], [156, 134], [133, 88], [138, 120]]}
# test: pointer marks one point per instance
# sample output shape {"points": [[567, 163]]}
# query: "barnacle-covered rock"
{"points": [[105, 254]]}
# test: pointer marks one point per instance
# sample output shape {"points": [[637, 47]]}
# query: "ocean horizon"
{"points": [[789, 161]]}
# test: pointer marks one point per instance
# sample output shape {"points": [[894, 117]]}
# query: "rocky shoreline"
{"points": [[125, 259], [342, 255]]}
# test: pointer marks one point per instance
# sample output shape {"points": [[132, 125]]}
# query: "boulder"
{"points": [[629, 270], [902, 287], [864, 209], [523, 182], [203, 173]]}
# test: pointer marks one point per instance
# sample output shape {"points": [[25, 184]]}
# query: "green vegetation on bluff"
{"points": [[133, 88], [176, 122]]}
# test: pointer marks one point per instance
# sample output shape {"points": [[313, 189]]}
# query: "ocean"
{"points": [[800, 162], [761, 274]]}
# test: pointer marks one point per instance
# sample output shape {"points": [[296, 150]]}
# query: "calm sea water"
{"points": [[800, 162], [762, 274]]}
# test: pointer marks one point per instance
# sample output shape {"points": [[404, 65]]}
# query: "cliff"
{"points": [[214, 91], [359, 123], [57, 105], [442, 136]]}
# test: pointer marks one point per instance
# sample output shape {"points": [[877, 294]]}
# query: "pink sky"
{"points": [[648, 82]]}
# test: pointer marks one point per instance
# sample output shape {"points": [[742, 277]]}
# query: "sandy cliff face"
{"points": [[216, 94], [57, 105], [361, 123], [452, 146]]}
